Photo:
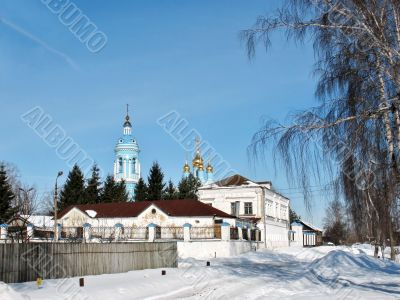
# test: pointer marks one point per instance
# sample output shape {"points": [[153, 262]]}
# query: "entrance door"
{"points": [[217, 231]]}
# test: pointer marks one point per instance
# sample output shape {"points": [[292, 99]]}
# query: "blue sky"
{"points": [[160, 56]]}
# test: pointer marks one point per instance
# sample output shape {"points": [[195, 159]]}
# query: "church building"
{"points": [[126, 163], [205, 176]]}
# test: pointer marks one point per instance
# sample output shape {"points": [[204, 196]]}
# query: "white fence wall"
{"points": [[215, 248]]}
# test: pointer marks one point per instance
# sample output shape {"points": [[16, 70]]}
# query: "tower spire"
{"points": [[127, 123]]}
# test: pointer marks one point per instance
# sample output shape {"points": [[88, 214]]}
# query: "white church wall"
{"points": [[76, 218]]}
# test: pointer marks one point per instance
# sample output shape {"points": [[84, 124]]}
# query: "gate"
{"points": [[217, 231]]}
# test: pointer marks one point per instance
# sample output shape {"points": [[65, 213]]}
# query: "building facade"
{"points": [[171, 213], [126, 163], [256, 201], [304, 234]]}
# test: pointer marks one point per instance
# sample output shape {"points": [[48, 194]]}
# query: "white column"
{"points": [[129, 162], [118, 231], [186, 232], [225, 231], [115, 170], [152, 232], [240, 232], [86, 232], [125, 166]]}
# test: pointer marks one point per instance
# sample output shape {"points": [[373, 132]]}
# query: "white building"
{"points": [[305, 234], [164, 213], [256, 201]]}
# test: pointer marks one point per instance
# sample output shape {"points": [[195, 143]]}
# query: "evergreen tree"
{"points": [[93, 188], [114, 191], [6, 197], [73, 191], [187, 187], [170, 192], [107, 194], [156, 183], [121, 194], [293, 216], [141, 191]]}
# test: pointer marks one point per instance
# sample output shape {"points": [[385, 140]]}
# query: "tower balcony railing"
{"points": [[127, 177]]}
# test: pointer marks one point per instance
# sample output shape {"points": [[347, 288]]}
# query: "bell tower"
{"points": [[126, 163]]}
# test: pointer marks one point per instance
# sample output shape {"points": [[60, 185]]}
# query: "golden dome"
{"points": [[186, 168], [198, 161], [210, 169]]}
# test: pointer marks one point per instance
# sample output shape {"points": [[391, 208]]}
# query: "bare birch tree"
{"points": [[353, 134]]}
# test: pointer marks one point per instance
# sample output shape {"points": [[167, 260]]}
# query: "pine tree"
{"points": [[187, 187], [73, 191], [93, 189], [107, 194], [155, 180], [114, 191], [170, 192], [6, 197], [141, 191], [293, 216], [121, 194]]}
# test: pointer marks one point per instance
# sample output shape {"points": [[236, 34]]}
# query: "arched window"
{"points": [[120, 165], [133, 165]]}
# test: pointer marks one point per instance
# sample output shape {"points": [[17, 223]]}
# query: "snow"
{"points": [[7, 293], [289, 273], [91, 213], [39, 221]]}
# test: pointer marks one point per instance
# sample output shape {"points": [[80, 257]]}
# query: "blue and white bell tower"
{"points": [[126, 164]]}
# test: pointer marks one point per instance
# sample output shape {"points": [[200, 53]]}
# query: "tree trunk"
{"points": [[393, 160], [392, 241]]}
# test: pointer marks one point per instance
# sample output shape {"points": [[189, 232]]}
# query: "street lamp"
{"points": [[25, 208], [55, 207]]}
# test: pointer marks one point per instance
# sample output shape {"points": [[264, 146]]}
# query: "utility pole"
{"points": [[56, 208]]}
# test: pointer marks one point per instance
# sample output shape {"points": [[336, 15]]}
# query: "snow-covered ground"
{"points": [[289, 273]]}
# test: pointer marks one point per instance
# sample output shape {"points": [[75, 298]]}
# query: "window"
{"points": [[120, 166], [233, 208], [269, 211], [248, 208], [153, 211]]}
